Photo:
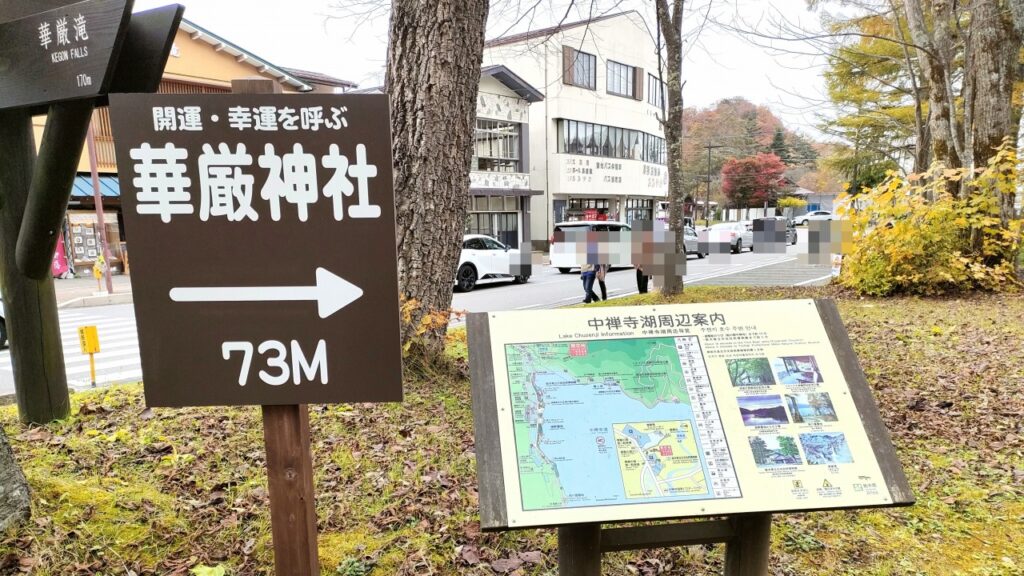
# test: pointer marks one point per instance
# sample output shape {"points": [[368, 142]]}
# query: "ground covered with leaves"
{"points": [[120, 489]]}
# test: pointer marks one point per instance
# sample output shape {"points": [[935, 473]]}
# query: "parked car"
{"points": [[816, 215], [564, 255], [790, 227], [738, 235], [3, 325], [484, 259], [692, 243]]}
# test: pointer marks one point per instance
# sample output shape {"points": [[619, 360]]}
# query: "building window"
{"points": [[496, 146], [588, 209], [580, 68], [494, 216], [589, 139], [656, 91], [621, 80], [639, 209]]}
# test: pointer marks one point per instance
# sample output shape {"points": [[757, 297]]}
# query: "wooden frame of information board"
{"points": [[746, 531]]}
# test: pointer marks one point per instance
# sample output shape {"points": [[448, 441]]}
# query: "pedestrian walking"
{"points": [[641, 280], [602, 271], [588, 273]]}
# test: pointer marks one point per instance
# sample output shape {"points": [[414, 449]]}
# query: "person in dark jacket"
{"points": [[588, 273]]}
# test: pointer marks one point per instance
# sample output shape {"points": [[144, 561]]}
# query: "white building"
{"points": [[499, 181], [596, 146]]}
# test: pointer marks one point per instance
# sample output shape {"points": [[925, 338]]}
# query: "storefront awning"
{"points": [[82, 187], [504, 192]]}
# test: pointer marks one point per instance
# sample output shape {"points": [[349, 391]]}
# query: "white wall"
{"points": [[624, 39]]}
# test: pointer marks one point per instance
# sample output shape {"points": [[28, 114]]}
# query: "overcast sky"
{"points": [[337, 37]]}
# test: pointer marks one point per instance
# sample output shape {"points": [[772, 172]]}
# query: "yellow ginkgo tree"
{"points": [[912, 236]]}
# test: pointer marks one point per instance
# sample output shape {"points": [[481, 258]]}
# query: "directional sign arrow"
{"points": [[331, 293]]}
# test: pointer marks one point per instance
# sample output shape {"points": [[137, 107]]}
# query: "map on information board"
{"points": [[616, 414], [612, 422]]}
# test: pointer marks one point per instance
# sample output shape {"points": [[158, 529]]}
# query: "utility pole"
{"points": [[707, 203], [101, 225]]}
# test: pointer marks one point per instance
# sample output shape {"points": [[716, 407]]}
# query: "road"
{"points": [[119, 359], [549, 288]]}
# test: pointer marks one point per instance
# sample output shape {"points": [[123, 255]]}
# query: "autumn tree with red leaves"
{"points": [[752, 181]]}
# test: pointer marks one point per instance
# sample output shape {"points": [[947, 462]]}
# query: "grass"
{"points": [[119, 489]]}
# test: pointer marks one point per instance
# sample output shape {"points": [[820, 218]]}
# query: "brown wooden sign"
{"points": [[263, 247], [66, 53]]}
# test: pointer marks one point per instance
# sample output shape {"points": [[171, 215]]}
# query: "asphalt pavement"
{"points": [[548, 288]]}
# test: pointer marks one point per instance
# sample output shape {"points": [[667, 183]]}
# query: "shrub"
{"points": [[912, 236], [791, 202]]}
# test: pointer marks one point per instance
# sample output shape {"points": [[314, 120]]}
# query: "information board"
{"points": [[618, 414]]}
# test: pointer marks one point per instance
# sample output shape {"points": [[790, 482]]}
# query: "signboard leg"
{"points": [[579, 550], [40, 381], [52, 179], [747, 553], [290, 479]]}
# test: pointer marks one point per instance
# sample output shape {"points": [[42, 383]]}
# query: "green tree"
{"points": [[759, 449], [787, 446], [779, 147], [877, 102], [749, 371]]}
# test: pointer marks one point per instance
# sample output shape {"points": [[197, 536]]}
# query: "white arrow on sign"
{"points": [[331, 293]]}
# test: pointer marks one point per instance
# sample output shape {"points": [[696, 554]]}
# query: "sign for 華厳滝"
{"points": [[647, 412], [262, 234], [61, 54]]}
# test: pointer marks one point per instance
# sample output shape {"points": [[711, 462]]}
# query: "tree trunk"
{"points": [[33, 328], [922, 140], [991, 71], [433, 75], [14, 492], [935, 54], [671, 26]]}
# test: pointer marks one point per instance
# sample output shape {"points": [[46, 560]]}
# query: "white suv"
{"points": [[484, 259]]}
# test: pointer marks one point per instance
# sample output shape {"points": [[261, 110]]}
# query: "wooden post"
{"points": [[52, 179], [289, 457], [40, 381], [747, 553], [579, 550], [290, 479], [97, 199]]}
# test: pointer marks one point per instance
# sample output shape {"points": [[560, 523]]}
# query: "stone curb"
{"points": [[87, 301]]}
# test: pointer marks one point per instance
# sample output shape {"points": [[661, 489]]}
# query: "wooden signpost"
{"points": [[265, 270], [60, 59], [731, 411]]}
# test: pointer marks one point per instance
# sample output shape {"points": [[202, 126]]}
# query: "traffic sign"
{"points": [[66, 53], [262, 230], [88, 339]]}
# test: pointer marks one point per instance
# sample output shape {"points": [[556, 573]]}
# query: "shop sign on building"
{"points": [[579, 175], [263, 247]]}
